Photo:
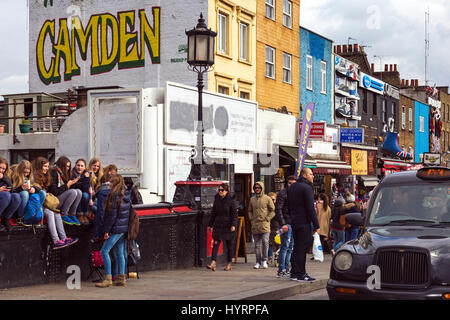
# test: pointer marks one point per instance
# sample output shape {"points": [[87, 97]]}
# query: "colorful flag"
{"points": [[304, 137]]}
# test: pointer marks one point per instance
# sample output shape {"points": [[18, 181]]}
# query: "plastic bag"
{"points": [[317, 248]]}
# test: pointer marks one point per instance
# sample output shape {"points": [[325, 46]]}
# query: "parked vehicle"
{"points": [[403, 249]]}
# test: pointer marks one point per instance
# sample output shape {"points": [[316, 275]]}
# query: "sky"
{"points": [[392, 30]]}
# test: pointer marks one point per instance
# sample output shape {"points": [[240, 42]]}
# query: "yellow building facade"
{"points": [[277, 55], [234, 71]]}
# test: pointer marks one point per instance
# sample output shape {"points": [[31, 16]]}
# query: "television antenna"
{"points": [[427, 43]]}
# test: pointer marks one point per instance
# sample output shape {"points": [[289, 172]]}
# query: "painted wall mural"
{"points": [[130, 37], [95, 43]]}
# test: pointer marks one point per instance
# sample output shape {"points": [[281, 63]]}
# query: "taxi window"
{"points": [[427, 203]]}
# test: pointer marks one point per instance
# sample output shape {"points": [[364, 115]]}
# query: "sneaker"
{"points": [[257, 266], [59, 244], [67, 220], [70, 241], [265, 265], [306, 278], [75, 220], [281, 274]]}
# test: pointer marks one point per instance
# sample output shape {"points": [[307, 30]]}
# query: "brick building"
{"points": [[444, 97]]}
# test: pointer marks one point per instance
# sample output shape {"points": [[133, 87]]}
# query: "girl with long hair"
{"points": [[96, 169], [42, 177], [117, 211], [324, 217], [9, 202], [80, 171], [24, 184], [61, 187]]}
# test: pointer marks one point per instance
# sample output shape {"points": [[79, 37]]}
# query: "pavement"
{"points": [[241, 283]]}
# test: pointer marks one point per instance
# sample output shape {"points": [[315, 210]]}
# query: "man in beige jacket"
{"points": [[260, 211]]}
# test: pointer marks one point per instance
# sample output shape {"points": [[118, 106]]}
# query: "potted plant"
{"points": [[25, 126]]}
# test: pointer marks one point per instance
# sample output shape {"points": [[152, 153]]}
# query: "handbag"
{"points": [[51, 202], [134, 253]]}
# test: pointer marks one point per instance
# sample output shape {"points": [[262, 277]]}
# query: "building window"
{"points": [[270, 9], [323, 75], [287, 13], [287, 66], [421, 124], [222, 34], [243, 41], [374, 106], [364, 93], [403, 118], [270, 62], [244, 95], [383, 111], [410, 119], [223, 90], [309, 73], [393, 107]]}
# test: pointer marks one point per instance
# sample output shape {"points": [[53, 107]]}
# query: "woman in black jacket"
{"points": [[223, 223], [117, 212]]}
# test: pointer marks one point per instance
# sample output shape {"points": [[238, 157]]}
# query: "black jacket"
{"points": [[54, 189], [116, 219], [300, 198], [282, 215], [83, 184], [223, 217], [5, 181]]}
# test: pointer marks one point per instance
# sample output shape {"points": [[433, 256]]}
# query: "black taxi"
{"points": [[403, 248]]}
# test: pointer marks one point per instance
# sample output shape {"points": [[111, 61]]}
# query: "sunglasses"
{"points": [[221, 190], [257, 188]]}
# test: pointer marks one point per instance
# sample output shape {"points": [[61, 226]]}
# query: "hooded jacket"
{"points": [[260, 211]]}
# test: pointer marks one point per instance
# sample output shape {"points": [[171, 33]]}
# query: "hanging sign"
{"points": [[304, 137]]}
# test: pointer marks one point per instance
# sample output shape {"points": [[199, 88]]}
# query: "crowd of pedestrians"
{"points": [[38, 193], [294, 215]]}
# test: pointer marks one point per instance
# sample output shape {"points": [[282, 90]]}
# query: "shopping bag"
{"points": [[317, 248]]}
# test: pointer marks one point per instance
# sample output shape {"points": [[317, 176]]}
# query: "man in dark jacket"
{"points": [[282, 216], [300, 197]]}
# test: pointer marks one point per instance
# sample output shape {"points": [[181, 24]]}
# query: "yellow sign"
{"points": [[359, 162]]}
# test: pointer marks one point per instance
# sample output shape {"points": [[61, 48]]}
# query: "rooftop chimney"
{"points": [[391, 68], [413, 82], [344, 48], [338, 49], [403, 82], [355, 47], [407, 83], [373, 67], [395, 68], [386, 68], [350, 48]]}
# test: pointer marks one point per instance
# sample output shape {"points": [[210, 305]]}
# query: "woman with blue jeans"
{"points": [[117, 212], [9, 202], [80, 171]]}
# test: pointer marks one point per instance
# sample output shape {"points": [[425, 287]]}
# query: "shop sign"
{"points": [[317, 129], [392, 91], [304, 137], [352, 135], [433, 159], [372, 84], [359, 162]]}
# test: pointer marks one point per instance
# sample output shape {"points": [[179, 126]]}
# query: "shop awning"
{"points": [[370, 181], [293, 154], [333, 167]]}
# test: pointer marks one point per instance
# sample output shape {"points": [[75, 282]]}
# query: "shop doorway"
{"points": [[242, 190]]}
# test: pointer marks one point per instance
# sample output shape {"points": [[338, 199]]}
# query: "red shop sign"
{"points": [[317, 129]]}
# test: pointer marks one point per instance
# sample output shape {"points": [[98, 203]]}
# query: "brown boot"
{"points": [[121, 280], [212, 265], [107, 282], [228, 267]]}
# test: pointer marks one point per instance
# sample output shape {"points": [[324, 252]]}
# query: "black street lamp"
{"points": [[200, 59]]}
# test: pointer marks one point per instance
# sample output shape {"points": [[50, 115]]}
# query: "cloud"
{"points": [[392, 29]]}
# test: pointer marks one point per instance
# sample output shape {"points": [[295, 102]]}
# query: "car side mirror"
{"points": [[354, 218]]}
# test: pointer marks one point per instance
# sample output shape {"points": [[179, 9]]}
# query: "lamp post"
{"points": [[200, 59]]}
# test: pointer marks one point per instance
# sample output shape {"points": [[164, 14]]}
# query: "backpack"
{"points": [[133, 224], [33, 211], [136, 197]]}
